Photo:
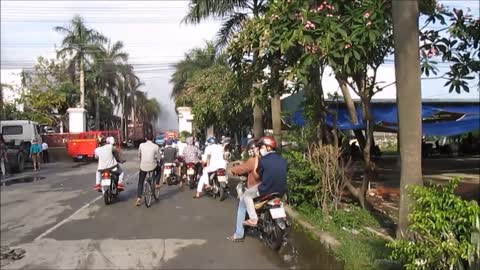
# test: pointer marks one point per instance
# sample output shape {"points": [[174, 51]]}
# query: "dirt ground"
{"points": [[384, 190]]}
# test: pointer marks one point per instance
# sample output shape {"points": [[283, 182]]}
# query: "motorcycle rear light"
{"points": [[106, 175], [190, 166], [277, 202], [221, 172]]}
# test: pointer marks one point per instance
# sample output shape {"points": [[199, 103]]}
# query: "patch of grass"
{"points": [[357, 251]]}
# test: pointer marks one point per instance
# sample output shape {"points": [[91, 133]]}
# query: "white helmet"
{"points": [[111, 140]]}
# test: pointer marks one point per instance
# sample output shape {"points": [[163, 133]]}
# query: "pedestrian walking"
{"points": [[46, 158], [35, 151], [3, 156]]}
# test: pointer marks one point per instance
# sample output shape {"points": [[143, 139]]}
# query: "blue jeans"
{"points": [[248, 196], [241, 212]]}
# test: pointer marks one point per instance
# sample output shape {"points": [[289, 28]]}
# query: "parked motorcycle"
{"points": [[169, 173], [218, 184], [109, 184]]}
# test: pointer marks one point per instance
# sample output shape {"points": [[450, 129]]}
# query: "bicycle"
{"points": [[149, 189]]}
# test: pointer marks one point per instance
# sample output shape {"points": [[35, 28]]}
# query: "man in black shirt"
{"points": [[170, 154]]}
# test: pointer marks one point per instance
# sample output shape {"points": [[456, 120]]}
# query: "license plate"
{"points": [[222, 179], [190, 172], [106, 182], [80, 157], [167, 171], [278, 213]]}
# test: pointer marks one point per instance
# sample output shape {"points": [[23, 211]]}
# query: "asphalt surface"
{"points": [[62, 223]]}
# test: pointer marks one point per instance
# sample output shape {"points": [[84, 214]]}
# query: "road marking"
{"points": [[71, 216], [67, 219]]}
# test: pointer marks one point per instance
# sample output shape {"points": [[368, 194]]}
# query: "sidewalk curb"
{"points": [[324, 237]]}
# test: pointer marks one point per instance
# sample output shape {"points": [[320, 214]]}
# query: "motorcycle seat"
{"points": [[267, 197], [170, 164]]}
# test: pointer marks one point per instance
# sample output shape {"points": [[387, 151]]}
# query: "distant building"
{"points": [[185, 119]]}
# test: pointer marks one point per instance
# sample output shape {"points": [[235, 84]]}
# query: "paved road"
{"points": [[63, 224]]}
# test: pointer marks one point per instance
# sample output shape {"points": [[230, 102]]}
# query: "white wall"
{"points": [[185, 119]]}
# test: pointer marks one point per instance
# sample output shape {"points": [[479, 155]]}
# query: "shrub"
{"points": [[441, 230], [302, 180]]}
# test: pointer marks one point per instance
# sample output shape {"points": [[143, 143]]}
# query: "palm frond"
{"points": [[202, 9], [229, 28]]}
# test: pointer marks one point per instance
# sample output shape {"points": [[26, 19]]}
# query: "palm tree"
{"points": [[79, 43], [235, 12], [107, 69], [127, 83], [196, 60], [407, 72]]}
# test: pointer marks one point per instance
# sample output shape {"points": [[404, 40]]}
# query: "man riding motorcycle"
{"points": [[246, 204], [272, 169], [170, 154], [181, 163], [215, 161], [108, 158], [191, 154], [149, 154]]}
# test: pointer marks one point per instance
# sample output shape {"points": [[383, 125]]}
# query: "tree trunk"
{"points": [[257, 121], [369, 165], [276, 102], [315, 106], [82, 84], [97, 111], [352, 112], [409, 102], [277, 120]]}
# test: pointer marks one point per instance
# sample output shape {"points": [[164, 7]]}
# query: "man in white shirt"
{"points": [[45, 157], [107, 157], [149, 154], [215, 161]]}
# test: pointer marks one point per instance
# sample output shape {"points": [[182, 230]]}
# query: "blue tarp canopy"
{"points": [[439, 118]]}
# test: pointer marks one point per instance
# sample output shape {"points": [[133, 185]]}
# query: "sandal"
{"points": [[234, 239], [139, 202], [249, 223]]}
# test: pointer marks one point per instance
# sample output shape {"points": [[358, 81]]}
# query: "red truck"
{"points": [[138, 131], [82, 146]]}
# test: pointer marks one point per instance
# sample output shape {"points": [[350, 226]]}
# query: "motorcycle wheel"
{"points": [[272, 233], [107, 197], [156, 193], [147, 194], [222, 194]]}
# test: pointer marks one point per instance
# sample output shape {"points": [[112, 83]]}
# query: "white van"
{"points": [[20, 130], [18, 135]]}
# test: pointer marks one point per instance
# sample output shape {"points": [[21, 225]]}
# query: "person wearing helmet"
{"points": [[272, 169], [180, 147], [246, 204], [214, 161], [170, 154], [108, 157]]}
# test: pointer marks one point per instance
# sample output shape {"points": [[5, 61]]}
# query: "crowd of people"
{"points": [[266, 170]]}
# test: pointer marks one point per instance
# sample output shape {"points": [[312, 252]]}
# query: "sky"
{"points": [[154, 37]]}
